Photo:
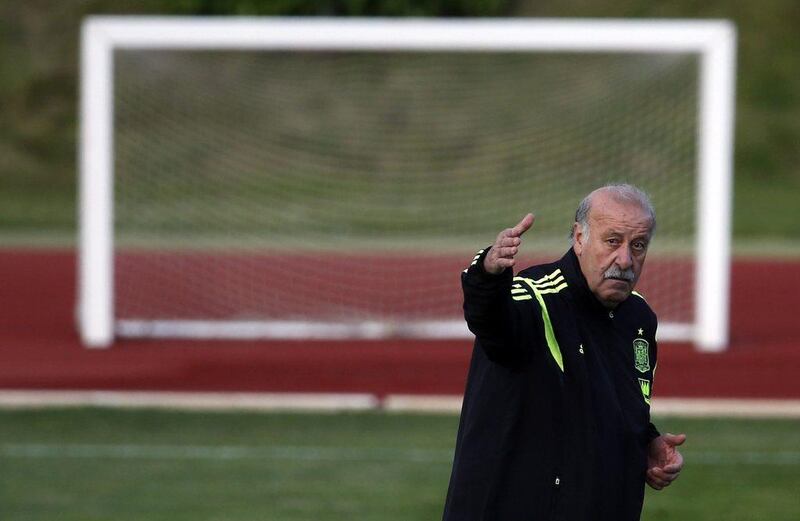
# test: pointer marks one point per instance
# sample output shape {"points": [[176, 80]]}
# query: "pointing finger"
{"points": [[522, 226]]}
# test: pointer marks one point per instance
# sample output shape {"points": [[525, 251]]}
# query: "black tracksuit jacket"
{"points": [[555, 423]]}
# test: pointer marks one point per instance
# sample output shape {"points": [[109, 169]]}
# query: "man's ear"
{"points": [[577, 236]]}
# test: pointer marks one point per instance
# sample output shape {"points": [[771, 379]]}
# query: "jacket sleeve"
{"points": [[494, 317]]}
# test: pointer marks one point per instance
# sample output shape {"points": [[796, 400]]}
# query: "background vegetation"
{"points": [[38, 87]]}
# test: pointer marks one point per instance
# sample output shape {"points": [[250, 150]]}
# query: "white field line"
{"points": [[332, 402], [311, 402], [741, 408], [693, 407], [314, 453], [447, 404]]}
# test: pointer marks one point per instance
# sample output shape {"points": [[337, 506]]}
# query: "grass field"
{"points": [[101, 464]]}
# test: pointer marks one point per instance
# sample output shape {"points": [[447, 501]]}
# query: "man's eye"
{"points": [[639, 246], [613, 242]]}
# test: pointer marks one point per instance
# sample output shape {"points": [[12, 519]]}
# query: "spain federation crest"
{"points": [[641, 355]]}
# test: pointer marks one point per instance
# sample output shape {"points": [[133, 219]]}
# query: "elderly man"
{"points": [[556, 417]]}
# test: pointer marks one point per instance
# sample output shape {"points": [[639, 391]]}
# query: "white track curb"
{"points": [[337, 402]]}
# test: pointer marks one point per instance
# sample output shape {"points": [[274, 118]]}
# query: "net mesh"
{"points": [[355, 186]]}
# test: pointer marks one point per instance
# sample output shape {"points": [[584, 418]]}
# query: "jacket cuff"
{"points": [[477, 270]]}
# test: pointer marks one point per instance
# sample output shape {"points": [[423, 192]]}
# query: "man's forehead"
{"points": [[607, 210]]}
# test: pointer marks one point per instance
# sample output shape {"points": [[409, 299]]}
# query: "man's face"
{"points": [[612, 256]]}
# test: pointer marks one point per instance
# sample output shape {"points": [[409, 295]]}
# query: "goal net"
{"points": [[305, 189]]}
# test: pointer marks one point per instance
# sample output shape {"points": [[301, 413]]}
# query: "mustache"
{"points": [[615, 273]]}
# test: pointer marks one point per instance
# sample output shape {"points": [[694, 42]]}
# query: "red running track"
{"points": [[39, 347]]}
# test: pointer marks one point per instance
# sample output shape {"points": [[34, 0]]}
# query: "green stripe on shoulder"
{"points": [[552, 283], [549, 334]]}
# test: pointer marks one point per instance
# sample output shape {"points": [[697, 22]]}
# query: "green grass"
{"points": [[765, 204], [89, 464]]}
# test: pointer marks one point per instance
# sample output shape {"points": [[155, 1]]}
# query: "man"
{"points": [[555, 423]]}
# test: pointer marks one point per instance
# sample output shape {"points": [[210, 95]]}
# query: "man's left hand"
{"points": [[664, 462]]}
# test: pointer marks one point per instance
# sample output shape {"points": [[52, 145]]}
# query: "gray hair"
{"points": [[621, 192]]}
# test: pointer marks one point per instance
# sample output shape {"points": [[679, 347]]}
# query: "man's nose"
{"points": [[624, 258]]}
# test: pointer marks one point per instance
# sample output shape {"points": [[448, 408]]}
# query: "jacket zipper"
{"points": [[554, 497]]}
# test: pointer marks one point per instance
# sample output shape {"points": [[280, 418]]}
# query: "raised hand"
{"points": [[664, 462], [506, 246]]}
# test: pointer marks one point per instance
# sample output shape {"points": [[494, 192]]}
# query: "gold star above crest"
{"points": [[641, 331]]}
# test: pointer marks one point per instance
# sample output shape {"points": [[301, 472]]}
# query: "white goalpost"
{"points": [[318, 178]]}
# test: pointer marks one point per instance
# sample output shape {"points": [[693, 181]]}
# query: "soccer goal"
{"points": [[330, 178]]}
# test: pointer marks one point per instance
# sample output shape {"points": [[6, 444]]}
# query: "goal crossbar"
{"points": [[552, 35]]}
